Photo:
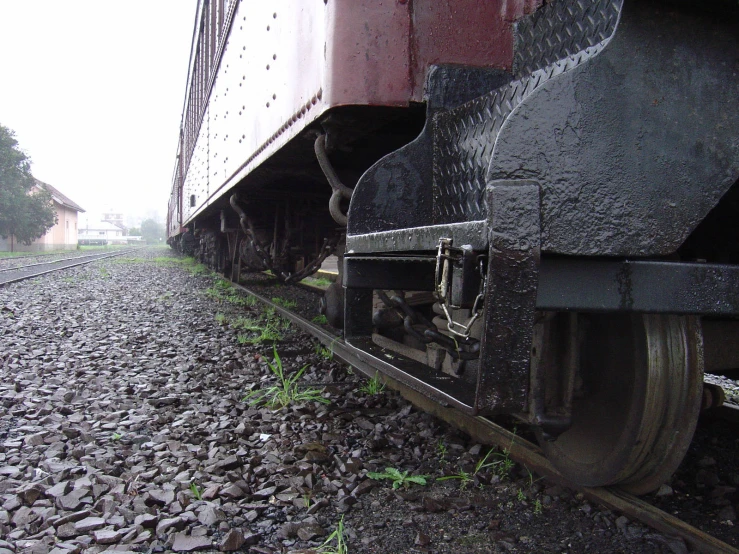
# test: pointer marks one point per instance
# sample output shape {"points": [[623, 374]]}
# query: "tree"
{"points": [[134, 232], [26, 210], [152, 231]]}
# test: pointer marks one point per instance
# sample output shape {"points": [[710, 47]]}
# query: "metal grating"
{"points": [[561, 29], [554, 39]]}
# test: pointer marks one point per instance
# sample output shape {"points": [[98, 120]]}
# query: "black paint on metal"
{"points": [[510, 296], [388, 273], [634, 147], [638, 286], [394, 193], [630, 131], [557, 38]]}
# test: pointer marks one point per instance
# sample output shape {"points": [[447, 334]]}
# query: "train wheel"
{"points": [[636, 404]]}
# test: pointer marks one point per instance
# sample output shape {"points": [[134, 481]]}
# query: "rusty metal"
{"points": [[555, 355], [637, 403], [339, 190]]}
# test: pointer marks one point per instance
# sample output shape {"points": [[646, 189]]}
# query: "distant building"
{"points": [[116, 219], [63, 235], [101, 233]]}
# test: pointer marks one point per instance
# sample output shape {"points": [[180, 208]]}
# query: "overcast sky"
{"points": [[93, 90]]}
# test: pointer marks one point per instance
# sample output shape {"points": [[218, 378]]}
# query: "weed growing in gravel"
{"points": [[373, 386], [219, 289], [441, 450], [286, 391], [250, 301], [338, 535], [235, 299], [501, 466], [320, 320], [221, 318], [521, 496], [246, 323], [537, 506], [195, 490], [321, 282], [285, 303], [268, 333], [104, 273], [397, 477], [223, 291], [463, 477], [199, 269], [323, 352], [116, 436], [128, 260], [505, 464]]}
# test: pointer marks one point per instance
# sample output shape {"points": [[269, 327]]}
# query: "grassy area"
{"points": [[189, 263], [320, 282]]}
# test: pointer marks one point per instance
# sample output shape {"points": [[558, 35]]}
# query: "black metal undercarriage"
{"points": [[597, 179], [559, 242]]}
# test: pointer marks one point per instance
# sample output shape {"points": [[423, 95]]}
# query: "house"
{"points": [[116, 219], [63, 235], [101, 233]]}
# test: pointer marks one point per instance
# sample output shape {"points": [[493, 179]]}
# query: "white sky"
{"points": [[93, 90]]}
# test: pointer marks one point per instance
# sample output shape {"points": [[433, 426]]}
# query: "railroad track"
{"points": [[522, 451], [15, 274]]}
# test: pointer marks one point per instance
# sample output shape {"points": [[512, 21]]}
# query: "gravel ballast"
{"points": [[123, 428]]}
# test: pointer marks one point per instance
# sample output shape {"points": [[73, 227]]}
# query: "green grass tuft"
{"points": [[338, 536], [285, 303], [373, 386], [286, 391]]}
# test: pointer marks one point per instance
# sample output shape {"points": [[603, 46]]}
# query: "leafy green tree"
{"points": [[134, 232], [152, 231], [26, 210]]}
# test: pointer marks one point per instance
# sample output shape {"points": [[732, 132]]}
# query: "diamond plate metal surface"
{"points": [[561, 29], [556, 38]]}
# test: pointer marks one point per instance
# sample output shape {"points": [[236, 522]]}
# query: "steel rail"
{"points": [[22, 267], [87, 260], [520, 450]]}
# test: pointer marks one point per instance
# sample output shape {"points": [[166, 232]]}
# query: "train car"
{"points": [[535, 204]]}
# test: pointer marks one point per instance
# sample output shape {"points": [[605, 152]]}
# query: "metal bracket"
{"points": [[514, 232]]}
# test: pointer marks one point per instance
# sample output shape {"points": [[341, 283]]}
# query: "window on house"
{"points": [[192, 200]]}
